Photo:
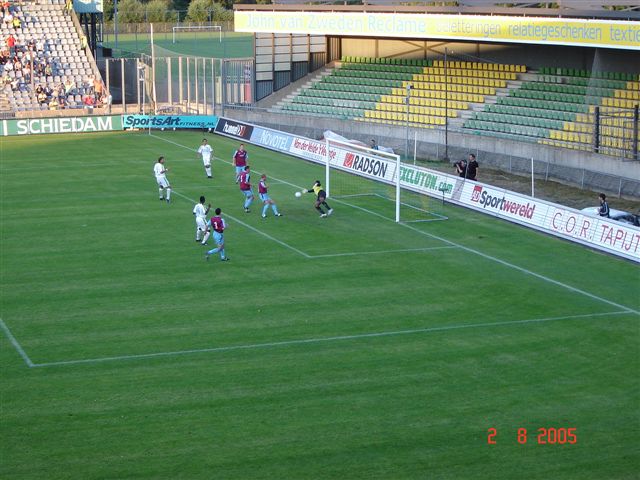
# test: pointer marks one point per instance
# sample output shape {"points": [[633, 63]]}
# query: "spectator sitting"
{"points": [[15, 84], [48, 71], [69, 85], [53, 104], [89, 101], [48, 91], [62, 102], [42, 98], [17, 23], [39, 89]]}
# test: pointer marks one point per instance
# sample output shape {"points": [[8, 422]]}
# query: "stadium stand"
{"points": [[375, 89], [45, 64], [557, 106]]}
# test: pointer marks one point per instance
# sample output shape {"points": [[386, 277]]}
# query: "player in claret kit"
{"points": [[200, 212], [240, 157], [266, 199], [217, 224], [321, 199], [245, 187], [205, 151], [160, 171]]}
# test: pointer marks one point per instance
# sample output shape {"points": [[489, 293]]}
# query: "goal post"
{"points": [[378, 172], [196, 28], [370, 180]]}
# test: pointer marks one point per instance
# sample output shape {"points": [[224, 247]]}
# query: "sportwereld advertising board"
{"points": [[39, 126], [564, 222], [169, 121]]}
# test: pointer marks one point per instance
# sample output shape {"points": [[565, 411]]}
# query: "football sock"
{"points": [[213, 251], [222, 255], [206, 237], [319, 209], [274, 207], [161, 193], [168, 194], [264, 209], [198, 234], [208, 170]]}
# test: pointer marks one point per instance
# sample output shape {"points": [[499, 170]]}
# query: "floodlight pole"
{"points": [[115, 22], [407, 101], [446, 107]]}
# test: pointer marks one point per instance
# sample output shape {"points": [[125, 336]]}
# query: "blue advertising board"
{"points": [[169, 121]]}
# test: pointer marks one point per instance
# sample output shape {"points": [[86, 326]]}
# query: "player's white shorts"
{"points": [[162, 182], [201, 223], [206, 161]]}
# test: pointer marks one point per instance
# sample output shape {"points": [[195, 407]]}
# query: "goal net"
{"points": [[369, 180], [196, 33]]}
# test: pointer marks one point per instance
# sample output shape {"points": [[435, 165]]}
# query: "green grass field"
{"points": [[350, 347], [195, 43]]}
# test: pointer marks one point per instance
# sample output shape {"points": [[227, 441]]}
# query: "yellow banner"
{"points": [[546, 31]]}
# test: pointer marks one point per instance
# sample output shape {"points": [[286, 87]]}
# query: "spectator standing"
{"points": [[472, 167], [11, 43], [603, 209]]}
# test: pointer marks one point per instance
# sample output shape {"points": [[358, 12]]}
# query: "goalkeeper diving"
{"points": [[321, 199]]}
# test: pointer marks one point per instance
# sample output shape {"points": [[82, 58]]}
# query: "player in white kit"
{"points": [[200, 212], [205, 151], [159, 170]]}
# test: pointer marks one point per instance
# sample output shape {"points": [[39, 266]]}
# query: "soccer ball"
{"points": [[298, 194]]}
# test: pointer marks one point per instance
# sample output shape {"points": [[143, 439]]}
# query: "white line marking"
{"points": [[405, 250], [476, 252], [16, 344], [324, 339], [246, 225], [502, 262]]}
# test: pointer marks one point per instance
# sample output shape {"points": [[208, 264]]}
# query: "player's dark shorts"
{"points": [[322, 196]]}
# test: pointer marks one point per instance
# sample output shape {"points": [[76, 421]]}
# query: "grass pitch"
{"points": [[348, 347]]}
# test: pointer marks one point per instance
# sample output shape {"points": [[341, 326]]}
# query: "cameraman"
{"points": [[461, 168]]}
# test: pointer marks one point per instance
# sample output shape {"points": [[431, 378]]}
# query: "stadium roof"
{"points": [[609, 9]]}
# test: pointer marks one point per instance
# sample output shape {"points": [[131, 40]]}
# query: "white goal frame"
{"points": [[391, 158], [196, 28]]}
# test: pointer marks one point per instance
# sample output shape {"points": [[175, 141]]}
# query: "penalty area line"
{"points": [[381, 252], [318, 340], [471, 250], [16, 344]]}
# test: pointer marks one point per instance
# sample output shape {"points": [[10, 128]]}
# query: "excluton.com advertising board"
{"points": [[596, 232]]}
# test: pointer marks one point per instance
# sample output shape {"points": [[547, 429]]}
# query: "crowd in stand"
{"points": [[25, 64]]}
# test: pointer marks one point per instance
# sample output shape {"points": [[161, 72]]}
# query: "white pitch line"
{"points": [[307, 341], [476, 252], [404, 250], [246, 225], [16, 344]]}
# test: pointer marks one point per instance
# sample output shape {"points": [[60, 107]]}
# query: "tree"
{"points": [[199, 10], [130, 11], [158, 11]]}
